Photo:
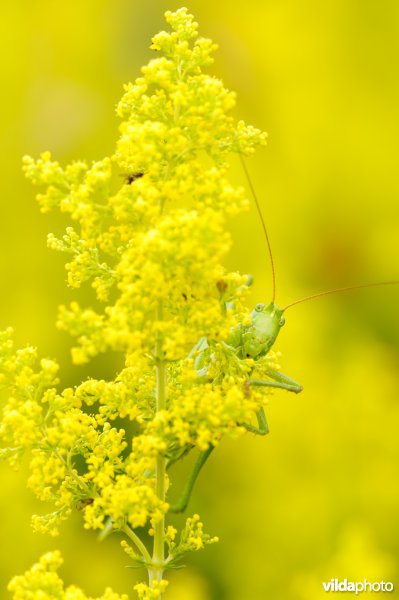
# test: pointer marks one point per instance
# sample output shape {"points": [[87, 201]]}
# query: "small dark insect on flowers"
{"points": [[221, 286], [83, 503], [130, 177]]}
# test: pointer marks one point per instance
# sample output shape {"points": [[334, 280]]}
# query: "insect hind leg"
{"points": [[262, 429], [279, 381]]}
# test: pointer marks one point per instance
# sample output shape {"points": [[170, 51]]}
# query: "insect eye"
{"points": [[281, 321], [259, 307]]}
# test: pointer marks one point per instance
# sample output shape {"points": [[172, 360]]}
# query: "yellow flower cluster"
{"points": [[192, 538], [42, 581], [161, 234], [152, 245], [56, 430], [153, 592]]}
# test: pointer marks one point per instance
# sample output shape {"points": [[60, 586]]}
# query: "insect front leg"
{"points": [[199, 355]]}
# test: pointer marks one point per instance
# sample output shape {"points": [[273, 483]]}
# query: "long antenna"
{"points": [[251, 187], [343, 289]]}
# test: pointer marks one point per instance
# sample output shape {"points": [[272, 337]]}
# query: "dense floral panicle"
{"points": [[43, 582], [27, 382], [130, 395], [123, 500], [136, 237], [85, 263], [55, 429], [147, 230]]}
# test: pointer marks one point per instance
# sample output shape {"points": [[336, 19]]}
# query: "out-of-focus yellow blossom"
{"points": [[152, 246], [42, 582], [152, 592]]}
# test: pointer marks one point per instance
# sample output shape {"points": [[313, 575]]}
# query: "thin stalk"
{"points": [[158, 556], [138, 543]]}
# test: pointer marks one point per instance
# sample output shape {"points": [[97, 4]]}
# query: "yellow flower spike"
{"points": [[147, 232]]}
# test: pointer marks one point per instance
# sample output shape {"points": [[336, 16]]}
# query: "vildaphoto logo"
{"points": [[357, 587]]}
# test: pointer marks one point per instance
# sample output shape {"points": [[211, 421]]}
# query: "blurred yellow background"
{"points": [[319, 497]]}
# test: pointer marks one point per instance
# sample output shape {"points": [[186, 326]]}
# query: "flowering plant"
{"points": [[152, 245]]}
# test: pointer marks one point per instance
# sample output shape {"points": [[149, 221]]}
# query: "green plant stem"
{"points": [[138, 543], [158, 556]]}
